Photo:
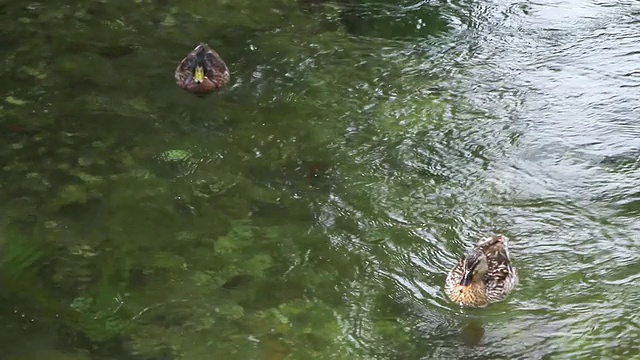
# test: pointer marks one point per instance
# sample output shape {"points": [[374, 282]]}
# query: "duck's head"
{"points": [[200, 83], [199, 66], [474, 267]]}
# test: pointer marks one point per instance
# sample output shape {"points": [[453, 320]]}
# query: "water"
{"points": [[312, 210]]}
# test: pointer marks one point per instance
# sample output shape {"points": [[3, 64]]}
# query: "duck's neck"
{"points": [[474, 295]]}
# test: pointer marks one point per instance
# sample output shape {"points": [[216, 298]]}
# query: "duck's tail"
{"points": [[491, 241]]}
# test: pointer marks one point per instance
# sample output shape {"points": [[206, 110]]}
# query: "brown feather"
{"points": [[216, 72], [498, 281]]}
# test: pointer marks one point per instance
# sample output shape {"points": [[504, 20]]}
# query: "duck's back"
{"points": [[501, 277]]}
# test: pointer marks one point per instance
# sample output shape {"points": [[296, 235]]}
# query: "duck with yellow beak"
{"points": [[202, 72]]}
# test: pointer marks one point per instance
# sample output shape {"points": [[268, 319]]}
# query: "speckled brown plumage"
{"points": [[215, 71], [485, 275]]}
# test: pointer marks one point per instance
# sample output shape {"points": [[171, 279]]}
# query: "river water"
{"points": [[313, 208]]}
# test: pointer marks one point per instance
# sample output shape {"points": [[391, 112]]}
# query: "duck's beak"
{"points": [[465, 283], [198, 74], [466, 279]]}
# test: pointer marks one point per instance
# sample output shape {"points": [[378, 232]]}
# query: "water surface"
{"points": [[313, 208]]}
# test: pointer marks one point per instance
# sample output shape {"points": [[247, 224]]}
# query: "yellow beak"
{"points": [[198, 74]]}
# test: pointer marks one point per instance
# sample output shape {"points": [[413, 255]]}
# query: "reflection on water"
{"points": [[472, 333], [312, 210]]}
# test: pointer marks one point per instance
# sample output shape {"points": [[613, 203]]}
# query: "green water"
{"points": [[312, 209]]}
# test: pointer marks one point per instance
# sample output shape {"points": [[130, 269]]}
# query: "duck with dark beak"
{"points": [[484, 275]]}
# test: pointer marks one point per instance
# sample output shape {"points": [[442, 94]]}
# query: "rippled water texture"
{"points": [[313, 208]]}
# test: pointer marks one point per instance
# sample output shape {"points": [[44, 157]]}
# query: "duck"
{"points": [[484, 275], [202, 71]]}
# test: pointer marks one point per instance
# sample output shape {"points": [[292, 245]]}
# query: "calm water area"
{"points": [[312, 209]]}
